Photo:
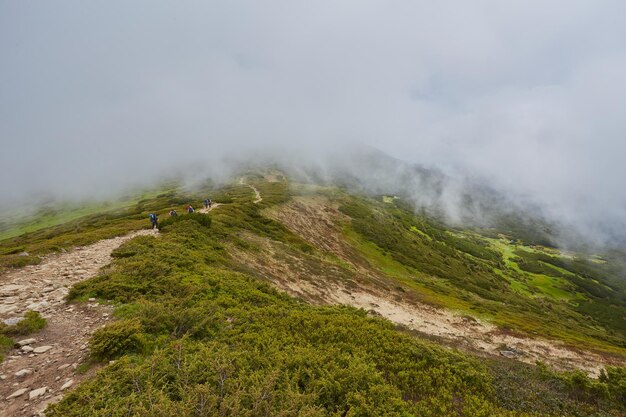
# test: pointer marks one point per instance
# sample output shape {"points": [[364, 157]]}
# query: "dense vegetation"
{"points": [[197, 338], [502, 280], [197, 335]]}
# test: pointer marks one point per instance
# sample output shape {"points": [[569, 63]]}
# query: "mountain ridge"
{"points": [[327, 245]]}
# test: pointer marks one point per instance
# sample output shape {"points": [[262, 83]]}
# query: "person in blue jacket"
{"points": [[154, 220]]}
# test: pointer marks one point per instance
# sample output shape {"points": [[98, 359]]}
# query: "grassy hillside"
{"points": [[58, 231], [528, 288], [15, 223], [196, 334]]}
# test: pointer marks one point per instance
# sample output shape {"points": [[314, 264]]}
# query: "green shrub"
{"points": [[5, 345], [201, 219], [12, 250], [19, 261], [116, 339], [31, 323], [615, 378]]}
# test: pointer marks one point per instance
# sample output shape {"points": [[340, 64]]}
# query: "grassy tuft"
{"points": [[118, 338], [31, 323]]}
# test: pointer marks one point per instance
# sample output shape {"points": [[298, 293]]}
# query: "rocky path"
{"points": [[205, 210], [44, 366]]}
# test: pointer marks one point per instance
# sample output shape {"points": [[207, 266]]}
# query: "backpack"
{"points": [[153, 217]]}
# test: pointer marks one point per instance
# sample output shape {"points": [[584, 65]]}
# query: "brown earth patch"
{"points": [[316, 220]]}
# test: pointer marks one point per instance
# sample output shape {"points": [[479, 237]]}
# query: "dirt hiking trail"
{"points": [[257, 194], [206, 210], [41, 370]]}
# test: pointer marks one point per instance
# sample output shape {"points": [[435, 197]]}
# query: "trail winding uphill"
{"points": [[44, 367], [257, 194], [205, 210]]}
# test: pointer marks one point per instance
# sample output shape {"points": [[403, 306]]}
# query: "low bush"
{"points": [[19, 261], [202, 219], [116, 339], [31, 323], [12, 250], [6, 344]]}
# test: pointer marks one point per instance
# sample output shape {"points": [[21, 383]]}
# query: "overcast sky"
{"points": [[528, 94]]}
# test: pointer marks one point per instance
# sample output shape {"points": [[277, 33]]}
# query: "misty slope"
{"points": [[200, 332], [454, 199], [380, 243]]}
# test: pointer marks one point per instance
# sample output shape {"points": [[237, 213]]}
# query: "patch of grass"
{"points": [[31, 323], [51, 216], [518, 385], [12, 250], [118, 338], [554, 287], [6, 344], [91, 228], [85, 366], [201, 219], [418, 231]]}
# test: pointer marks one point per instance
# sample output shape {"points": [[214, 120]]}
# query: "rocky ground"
{"points": [[42, 367]]}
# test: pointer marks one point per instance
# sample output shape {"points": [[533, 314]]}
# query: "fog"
{"points": [[526, 97]]}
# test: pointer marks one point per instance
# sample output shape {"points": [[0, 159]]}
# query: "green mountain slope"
{"points": [[200, 331], [529, 288]]}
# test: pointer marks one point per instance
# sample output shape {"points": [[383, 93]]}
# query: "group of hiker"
{"points": [[154, 218]]}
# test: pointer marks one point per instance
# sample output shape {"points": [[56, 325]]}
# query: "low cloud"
{"points": [[525, 97]]}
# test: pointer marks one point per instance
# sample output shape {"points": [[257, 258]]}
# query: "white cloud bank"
{"points": [[529, 96]]}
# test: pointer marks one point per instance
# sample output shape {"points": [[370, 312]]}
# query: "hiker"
{"points": [[190, 209], [206, 203], [154, 220], [173, 213], [210, 203]]}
